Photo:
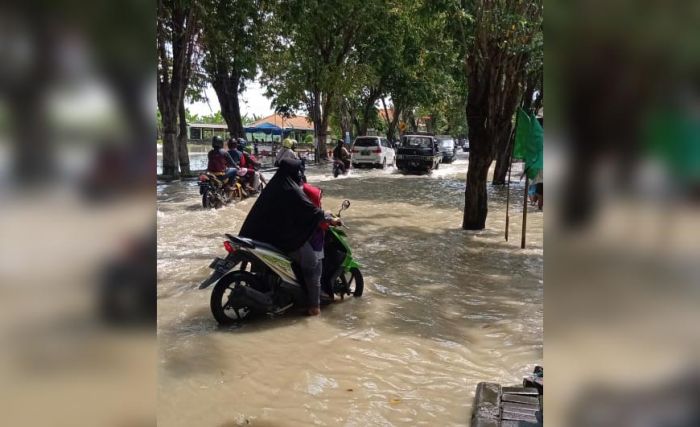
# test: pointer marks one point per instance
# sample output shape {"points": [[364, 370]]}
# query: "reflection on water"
{"points": [[443, 309]]}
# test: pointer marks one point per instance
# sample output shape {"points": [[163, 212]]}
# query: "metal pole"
{"points": [[527, 185], [508, 197]]}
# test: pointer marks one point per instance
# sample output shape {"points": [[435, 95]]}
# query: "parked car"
{"points": [[418, 152], [374, 151], [447, 148]]}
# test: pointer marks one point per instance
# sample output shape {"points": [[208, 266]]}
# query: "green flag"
{"points": [[529, 142]]}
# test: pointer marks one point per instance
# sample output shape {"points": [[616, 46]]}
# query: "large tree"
{"points": [[176, 27], [233, 37], [308, 58], [423, 59], [497, 36]]}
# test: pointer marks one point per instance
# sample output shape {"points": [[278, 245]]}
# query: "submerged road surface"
{"points": [[443, 309]]}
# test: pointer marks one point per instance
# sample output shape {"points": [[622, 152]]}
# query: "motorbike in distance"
{"points": [[257, 278], [339, 167], [217, 193]]}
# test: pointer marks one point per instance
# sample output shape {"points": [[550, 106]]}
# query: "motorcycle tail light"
{"points": [[203, 178], [229, 247]]}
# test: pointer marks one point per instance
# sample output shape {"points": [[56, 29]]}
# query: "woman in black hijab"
{"points": [[283, 216]]}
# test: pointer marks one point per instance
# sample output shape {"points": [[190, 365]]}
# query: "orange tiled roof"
{"points": [[298, 122]]}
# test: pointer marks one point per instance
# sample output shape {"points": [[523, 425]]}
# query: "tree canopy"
{"points": [[460, 67]]}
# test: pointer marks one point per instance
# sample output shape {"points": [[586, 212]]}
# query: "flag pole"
{"points": [[527, 184], [510, 167]]}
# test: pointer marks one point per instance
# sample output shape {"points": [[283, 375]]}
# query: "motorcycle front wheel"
{"points": [[224, 307], [350, 282]]}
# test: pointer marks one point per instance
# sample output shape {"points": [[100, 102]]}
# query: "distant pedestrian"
{"points": [[539, 190]]}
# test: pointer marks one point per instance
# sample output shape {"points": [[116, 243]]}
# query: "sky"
{"points": [[252, 102]]}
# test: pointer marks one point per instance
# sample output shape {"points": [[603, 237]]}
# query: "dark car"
{"points": [[418, 152], [448, 148]]}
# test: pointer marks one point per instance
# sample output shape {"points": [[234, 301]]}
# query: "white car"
{"points": [[373, 151]]}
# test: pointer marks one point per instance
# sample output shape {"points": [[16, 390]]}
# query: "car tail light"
{"points": [[229, 247], [377, 150], [355, 150]]}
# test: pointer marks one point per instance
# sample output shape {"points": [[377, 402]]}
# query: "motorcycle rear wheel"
{"points": [[224, 310], [207, 201]]}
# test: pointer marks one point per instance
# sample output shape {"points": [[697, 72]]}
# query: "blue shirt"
{"points": [[236, 156]]}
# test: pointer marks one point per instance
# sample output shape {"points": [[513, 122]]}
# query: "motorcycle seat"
{"points": [[217, 177], [252, 244]]}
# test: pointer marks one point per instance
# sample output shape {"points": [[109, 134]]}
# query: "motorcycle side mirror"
{"points": [[345, 205]]}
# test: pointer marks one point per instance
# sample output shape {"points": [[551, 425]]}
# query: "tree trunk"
{"points": [[170, 158], [226, 85], [513, 78], [391, 124], [30, 134], [503, 161], [367, 110], [169, 151], [475, 196], [182, 151], [172, 72], [356, 126], [322, 134], [323, 130], [412, 122], [481, 144]]}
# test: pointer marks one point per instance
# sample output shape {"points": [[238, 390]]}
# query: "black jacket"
{"points": [[283, 216]]}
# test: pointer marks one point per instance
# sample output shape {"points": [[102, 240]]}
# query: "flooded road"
{"points": [[443, 309]]}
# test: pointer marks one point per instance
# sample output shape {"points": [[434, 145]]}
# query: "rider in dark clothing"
{"points": [[283, 216], [341, 153], [233, 150], [220, 162]]}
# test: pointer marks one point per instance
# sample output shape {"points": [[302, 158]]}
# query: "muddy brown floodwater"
{"points": [[443, 309]]}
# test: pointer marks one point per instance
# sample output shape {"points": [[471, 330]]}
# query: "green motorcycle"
{"points": [[257, 278]]}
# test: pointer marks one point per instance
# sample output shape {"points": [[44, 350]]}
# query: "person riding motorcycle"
{"points": [[341, 154], [286, 152], [233, 150], [242, 143], [250, 164], [295, 231], [220, 162]]}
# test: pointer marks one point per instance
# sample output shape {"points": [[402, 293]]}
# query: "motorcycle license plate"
{"points": [[365, 152], [222, 265]]}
